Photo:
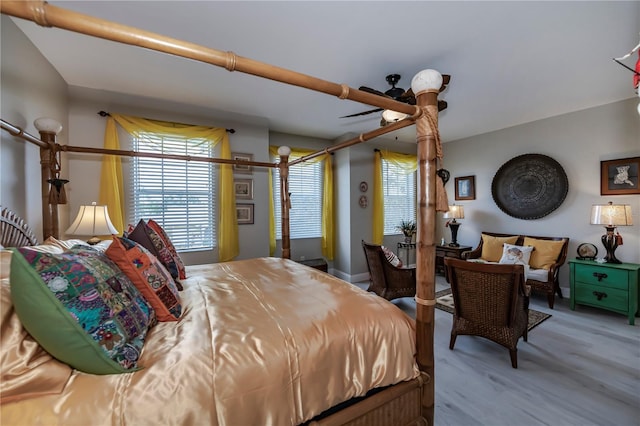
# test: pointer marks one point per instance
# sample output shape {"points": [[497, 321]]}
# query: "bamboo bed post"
{"points": [[426, 85], [285, 202], [48, 129]]}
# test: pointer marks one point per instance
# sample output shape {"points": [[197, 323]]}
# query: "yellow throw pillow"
{"points": [[492, 246], [545, 254]]}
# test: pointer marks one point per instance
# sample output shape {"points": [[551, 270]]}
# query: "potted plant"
{"points": [[408, 229]]}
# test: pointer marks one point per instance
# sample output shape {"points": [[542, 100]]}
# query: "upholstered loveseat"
{"points": [[545, 260]]}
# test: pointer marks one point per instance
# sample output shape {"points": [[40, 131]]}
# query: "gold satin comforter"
{"points": [[261, 342]]}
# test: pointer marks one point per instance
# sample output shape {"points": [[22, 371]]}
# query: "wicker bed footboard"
{"points": [[398, 405]]}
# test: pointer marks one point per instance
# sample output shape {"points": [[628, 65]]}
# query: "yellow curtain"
{"points": [[378, 199], [111, 181], [407, 163], [136, 126], [328, 231]]}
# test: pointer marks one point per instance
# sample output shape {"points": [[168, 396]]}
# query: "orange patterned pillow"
{"points": [[148, 275]]}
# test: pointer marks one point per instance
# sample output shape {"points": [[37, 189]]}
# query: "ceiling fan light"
{"points": [[426, 80], [391, 116]]}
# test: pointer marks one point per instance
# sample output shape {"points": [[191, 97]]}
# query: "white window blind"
{"points": [[399, 197], [305, 186], [179, 195]]}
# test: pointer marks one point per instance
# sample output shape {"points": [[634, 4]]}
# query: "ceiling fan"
{"points": [[398, 94]]}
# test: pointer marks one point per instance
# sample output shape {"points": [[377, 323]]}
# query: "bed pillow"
{"points": [[391, 257], [143, 234], [80, 308], [545, 254], [182, 274], [515, 255], [27, 369], [148, 275], [492, 246]]}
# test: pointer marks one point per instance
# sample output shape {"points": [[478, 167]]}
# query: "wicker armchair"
{"points": [[491, 301], [385, 279], [14, 232]]}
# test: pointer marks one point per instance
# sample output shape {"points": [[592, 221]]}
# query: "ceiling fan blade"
{"points": [[407, 97], [372, 91], [442, 105], [446, 78], [371, 111]]}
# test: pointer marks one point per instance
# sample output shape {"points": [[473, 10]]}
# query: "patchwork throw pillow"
{"points": [[27, 369], [81, 308], [172, 249], [545, 254], [492, 246], [148, 275], [143, 234], [518, 255], [391, 257]]}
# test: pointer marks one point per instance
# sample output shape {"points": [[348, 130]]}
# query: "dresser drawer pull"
{"points": [[600, 295], [599, 276]]}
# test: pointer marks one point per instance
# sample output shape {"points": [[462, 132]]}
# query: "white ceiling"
{"points": [[510, 62]]}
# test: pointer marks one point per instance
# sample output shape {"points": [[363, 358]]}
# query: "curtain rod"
{"points": [[105, 114]]}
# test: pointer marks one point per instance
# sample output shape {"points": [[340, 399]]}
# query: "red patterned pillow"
{"points": [[144, 235], [167, 242], [148, 275], [391, 257]]}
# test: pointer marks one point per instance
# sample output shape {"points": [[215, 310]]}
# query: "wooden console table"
{"points": [[448, 251]]}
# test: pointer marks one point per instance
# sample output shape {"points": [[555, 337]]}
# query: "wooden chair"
{"points": [[385, 279], [491, 301], [14, 232]]}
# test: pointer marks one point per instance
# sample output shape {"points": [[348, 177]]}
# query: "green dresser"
{"points": [[608, 286]]}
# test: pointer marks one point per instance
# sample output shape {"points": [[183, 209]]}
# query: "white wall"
{"points": [[578, 141], [30, 88]]}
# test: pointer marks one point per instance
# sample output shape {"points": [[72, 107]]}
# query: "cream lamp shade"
{"points": [[455, 212], [611, 214], [92, 220]]}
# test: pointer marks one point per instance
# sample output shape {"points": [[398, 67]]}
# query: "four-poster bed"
{"points": [[404, 397]]}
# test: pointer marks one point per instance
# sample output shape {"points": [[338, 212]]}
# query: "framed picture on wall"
{"points": [[243, 189], [244, 214], [466, 188], [244, 169], [619, 177]]}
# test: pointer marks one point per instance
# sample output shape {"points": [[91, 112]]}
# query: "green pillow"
{"points": [[81, 308]]}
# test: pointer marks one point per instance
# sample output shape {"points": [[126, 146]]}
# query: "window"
{"points": [[305, 186], [399, 196], [179, 195]]}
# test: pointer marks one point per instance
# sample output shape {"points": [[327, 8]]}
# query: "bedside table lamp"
{"points": [[455, 212], [611, 215], [92, 220]]}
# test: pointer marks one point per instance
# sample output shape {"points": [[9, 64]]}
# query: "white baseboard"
{"points": [[355, 278]]}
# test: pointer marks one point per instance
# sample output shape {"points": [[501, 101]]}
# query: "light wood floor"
{"points": [[579, 367]]}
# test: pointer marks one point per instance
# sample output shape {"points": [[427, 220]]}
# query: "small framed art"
{"points": [[466, 188], [620, 177], [242, 168], [243, 189], [244, 214]]}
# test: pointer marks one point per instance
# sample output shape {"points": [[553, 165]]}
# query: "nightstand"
{"points": [[610, 286], [407, 253], [448, 251], [319, 263]]}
